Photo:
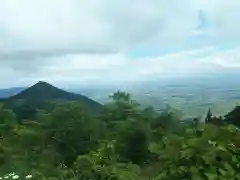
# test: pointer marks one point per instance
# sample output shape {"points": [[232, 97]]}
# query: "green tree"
{"points": [[7, 121], [208, 118], [133, 141], [233, 117], [211, 155], [72, 131]]}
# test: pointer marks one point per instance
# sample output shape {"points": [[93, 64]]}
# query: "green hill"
{"points": [[40, 96]]}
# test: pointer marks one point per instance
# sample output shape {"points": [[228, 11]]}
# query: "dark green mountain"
{"points": [[40, 96]]}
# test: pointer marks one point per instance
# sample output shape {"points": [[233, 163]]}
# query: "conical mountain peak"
{"points": [[42, 83], [38, 95]]}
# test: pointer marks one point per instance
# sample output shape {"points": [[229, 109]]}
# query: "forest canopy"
{"points": [[122, 142]]}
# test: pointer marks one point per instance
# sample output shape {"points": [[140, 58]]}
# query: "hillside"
{"points": [[39, 96]]}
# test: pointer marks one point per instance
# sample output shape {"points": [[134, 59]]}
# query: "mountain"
{"points": [[5, 93], [38, 96]]}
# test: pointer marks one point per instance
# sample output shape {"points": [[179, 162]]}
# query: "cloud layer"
{"points": [[89, 40]]}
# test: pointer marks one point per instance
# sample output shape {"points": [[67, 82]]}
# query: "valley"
{"points": [[191, 98]]}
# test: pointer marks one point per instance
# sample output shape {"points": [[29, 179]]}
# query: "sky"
{"points": [[83, 42]]}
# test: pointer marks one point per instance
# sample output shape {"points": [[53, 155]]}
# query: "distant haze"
{"points": [[192, 96]]}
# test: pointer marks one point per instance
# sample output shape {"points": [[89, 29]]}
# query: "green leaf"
{"points": [[211, 176], [223, 172]]}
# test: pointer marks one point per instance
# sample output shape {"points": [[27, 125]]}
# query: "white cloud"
{"points": [[81, 41], [116, 68], [229, 59], [91, 24], [97, 25]]}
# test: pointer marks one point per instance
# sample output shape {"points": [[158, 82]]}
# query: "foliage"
{"points": [[125, 142], [233, 117], [208, 152], [132, 144]]}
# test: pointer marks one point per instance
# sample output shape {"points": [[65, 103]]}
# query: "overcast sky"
{"points": [[97, 41]]}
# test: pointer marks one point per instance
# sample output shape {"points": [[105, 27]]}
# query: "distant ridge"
{"points": [[39, 94], [6, 93]]}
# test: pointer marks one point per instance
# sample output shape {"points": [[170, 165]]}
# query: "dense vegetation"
{"points": [[124, 142]]}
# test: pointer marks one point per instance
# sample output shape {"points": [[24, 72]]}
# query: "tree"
{"points": [[233, 117], [208, 118], [72, 132], [194, 156], [7, 121], [122, 108], [125, 142], [133, 141]]}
